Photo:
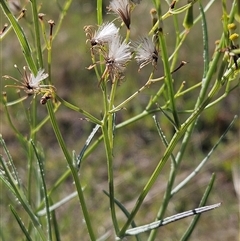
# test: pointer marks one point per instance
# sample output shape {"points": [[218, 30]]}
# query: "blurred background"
{"points": [[138, 147]]}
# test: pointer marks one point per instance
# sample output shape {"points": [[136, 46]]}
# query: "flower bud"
{"points": [[232, 26], [188, 20], [234, 38], [154, 16]]}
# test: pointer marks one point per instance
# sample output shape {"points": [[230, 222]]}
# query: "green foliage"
{"points": [[130, 132]]}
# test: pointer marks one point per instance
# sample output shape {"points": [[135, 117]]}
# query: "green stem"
{"points": [[61, 17], [205, 41], [108, 129], [44, 189], [75, 108], [120, 106], [168, 77], [37, 33], [110, 175], [189, 130], [110, 116], [99, 12], [33, 118], [19, 194], [179, 41], [72, 168], [202, 203], [20, 35], [177, 136]]}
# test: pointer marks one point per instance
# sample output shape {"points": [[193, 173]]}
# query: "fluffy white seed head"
{"points": [[119, 53], [104, 34], [123, 9], [145, 52], [34, 81]]}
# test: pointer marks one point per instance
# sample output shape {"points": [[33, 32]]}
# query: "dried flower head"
{"points": [[103, 35], [34, 81], [146, 52], [123, 9], [119, 53], [31, 83]]}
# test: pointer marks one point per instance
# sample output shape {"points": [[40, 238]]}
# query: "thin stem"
{"points": [[33, 118], [61, 17], [120, 106], [74, 172], [184, 143], [75, 108], [110, 116], [37, 33], [168, 77], [169, 13], [21, 36], [99, 12], [19, 194], [108, 129], [177, 136], [110, 175], [202, 203], [127, 35], [178, 43], [44, 187], [202, 163], [205, 41]]}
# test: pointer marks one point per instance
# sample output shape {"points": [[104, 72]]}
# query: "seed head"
{"points": [[31, 83], [34, 81], [123, 9], [145, 52], [119, 53], [103, 35]]}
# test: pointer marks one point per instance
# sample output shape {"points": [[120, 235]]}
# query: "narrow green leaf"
{"points": [[55, 225], [21, 37], [19, 194], [73, 170], [2, 235], [168, 78], [42, 174], [13, 172], [205, 40], [37, 34], [168, 117], [87, 143], [171, 219], [163, 137], [198, 168], [58, 204], [75, 108], [125, 211], [11, 103], [21, 224], [18, 134], [191, 227]]}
